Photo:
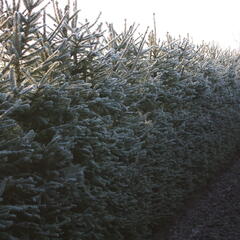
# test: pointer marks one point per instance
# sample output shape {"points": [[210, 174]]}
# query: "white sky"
{"points": [[208, 20]]}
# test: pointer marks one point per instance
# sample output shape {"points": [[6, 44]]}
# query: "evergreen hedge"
{"points": [[105, 135]]}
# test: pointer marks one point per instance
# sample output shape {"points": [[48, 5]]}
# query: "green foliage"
{"points": [[104, 135]]}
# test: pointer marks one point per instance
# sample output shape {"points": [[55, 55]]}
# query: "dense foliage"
{"points": [[104, 135]]}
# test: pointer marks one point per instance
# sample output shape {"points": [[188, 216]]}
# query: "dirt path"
{"points": [[215, 215]]}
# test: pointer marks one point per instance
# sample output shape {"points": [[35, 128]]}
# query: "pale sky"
{"points": [[208, 20]]}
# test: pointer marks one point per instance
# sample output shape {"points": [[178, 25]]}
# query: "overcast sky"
{"points": [[208, 20]]}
